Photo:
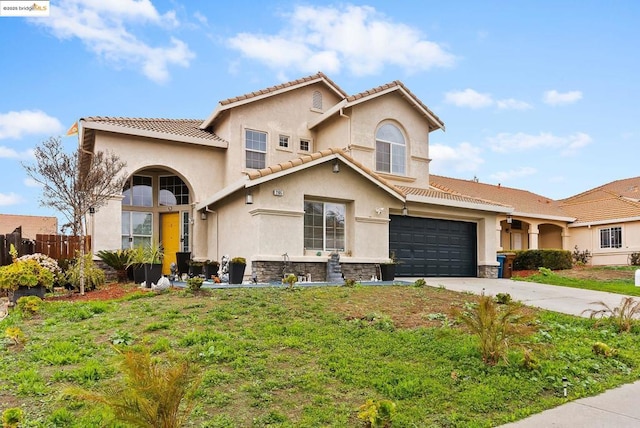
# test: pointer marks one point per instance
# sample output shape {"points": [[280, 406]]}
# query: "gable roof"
{"points": [[525, 203], [615, 201], [271, 91], [396, 86]]}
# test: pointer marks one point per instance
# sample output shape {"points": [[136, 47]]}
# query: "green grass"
{"points": [[307, 358], [618, 286]]}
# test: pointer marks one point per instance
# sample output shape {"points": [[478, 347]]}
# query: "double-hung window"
{"points": [[390, 150], [324, 226], [255, 143], [611, 237]]}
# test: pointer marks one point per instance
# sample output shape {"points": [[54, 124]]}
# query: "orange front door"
{"points": [[170, 239]]}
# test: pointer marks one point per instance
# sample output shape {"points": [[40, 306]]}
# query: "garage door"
{"points": [[432, 247]]}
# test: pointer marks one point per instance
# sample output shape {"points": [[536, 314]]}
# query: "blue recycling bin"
{"points": [[501, 260]]}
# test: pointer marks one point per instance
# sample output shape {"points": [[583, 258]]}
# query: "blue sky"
{"points": [[538, 95]]}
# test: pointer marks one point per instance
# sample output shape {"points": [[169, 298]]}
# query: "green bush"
{"points": [[550, 259], [93, 275]]}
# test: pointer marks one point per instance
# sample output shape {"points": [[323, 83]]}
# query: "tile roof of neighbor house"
{"points": [[179, 127], [617, 200], [523, 201]]}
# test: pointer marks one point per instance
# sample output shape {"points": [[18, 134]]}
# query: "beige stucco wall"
{"points": [[588, 238]]}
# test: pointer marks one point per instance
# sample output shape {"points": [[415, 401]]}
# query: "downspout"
{"points": [[206, 208]]}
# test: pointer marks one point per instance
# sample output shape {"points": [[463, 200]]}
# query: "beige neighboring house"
{"points": [[607, 221], [604, 220], [31, 225], [290, 174]]}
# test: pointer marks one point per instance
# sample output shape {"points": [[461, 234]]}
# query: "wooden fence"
{"points": [[58, 247]]}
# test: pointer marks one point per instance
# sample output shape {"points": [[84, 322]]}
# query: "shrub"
{"points": [[29, 305], [27, 273], [580, 257], [153, 394], [623, 316], [495, 327], [503, 298], [12, 417], [93, 275], [194, 283], [420, 282], [290, 279], [377, 413], [603, 349], [534, 259], [118, 260], [15, 335], [634, 259]]}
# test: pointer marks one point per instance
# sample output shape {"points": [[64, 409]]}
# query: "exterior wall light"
{"points": [[405, 211], [248, 198], [336, 166]]}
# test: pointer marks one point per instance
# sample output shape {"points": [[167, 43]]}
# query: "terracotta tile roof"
{"points": [[396, 83], [440, 194], [179, 127], [274, 88], [521, 200], [601, 205], [626, 188]]}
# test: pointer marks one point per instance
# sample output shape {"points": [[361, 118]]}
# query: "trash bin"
{"points": [[508, 265], [501, 259]]}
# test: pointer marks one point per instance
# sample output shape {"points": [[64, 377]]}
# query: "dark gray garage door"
{"points": [[432, 247]]}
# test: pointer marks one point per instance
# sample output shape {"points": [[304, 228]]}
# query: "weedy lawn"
{"points": [[307, 357]]}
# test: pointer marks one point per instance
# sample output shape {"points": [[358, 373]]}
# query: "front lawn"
{"points": [[612, 279], [307, 358]]}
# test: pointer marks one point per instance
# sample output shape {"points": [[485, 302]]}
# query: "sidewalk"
{"points": [[616, 408]]}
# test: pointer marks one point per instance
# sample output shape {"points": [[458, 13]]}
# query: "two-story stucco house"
{"points": [[295, 171]]}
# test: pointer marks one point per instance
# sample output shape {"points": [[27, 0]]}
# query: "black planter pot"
{"points": [[210, 269], [236, 272], [195, 270], [138, 274], [152, 273], [388, 272], [182, 261], [23, 291]]}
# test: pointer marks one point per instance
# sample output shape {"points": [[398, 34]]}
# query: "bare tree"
{"points": [[76, 183]]}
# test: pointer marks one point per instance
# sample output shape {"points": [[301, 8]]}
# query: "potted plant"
{"points": [[118, 260], [136, 263], [182, 261], [236, 270], [388, 270], [153, 255], [25, 277], [210, 269]]}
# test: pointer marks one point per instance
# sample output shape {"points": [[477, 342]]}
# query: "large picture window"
{"points": [[173, 191], [255, 149], [611, 237], [390, 150], [137, 228], [324, 226]]}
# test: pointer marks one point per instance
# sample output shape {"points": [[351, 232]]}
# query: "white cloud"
{"points": [[568, 145], [7, 199], [105, 27], [524, 171], [330, 38], [512, 104], [463, 158], [30, 182], [468, 98], [201, 18], [16, 124], [474, 99], [556, 98]]}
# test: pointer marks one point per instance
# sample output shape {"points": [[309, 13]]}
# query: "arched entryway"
{"points": [[156, 208]]}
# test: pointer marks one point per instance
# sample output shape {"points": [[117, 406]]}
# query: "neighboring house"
{"points": [[32, 225], [293, 173], [607, 221], [604, 220]]}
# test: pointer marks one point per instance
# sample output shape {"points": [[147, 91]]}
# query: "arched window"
{"points": [[390, 150]]}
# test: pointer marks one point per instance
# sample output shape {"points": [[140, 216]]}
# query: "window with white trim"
{"points": [[611, 237], [137, 229], [138, 191], [324, 226], [255, 143], [283, 142], [390, 150], [305, 145], [173, 191]]}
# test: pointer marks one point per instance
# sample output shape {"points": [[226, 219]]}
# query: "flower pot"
{"points": [[138, 274], [388, 272], [236, 272], [195, 270], [23, 291], [182, 261], [210, 270], [152, 273]]}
